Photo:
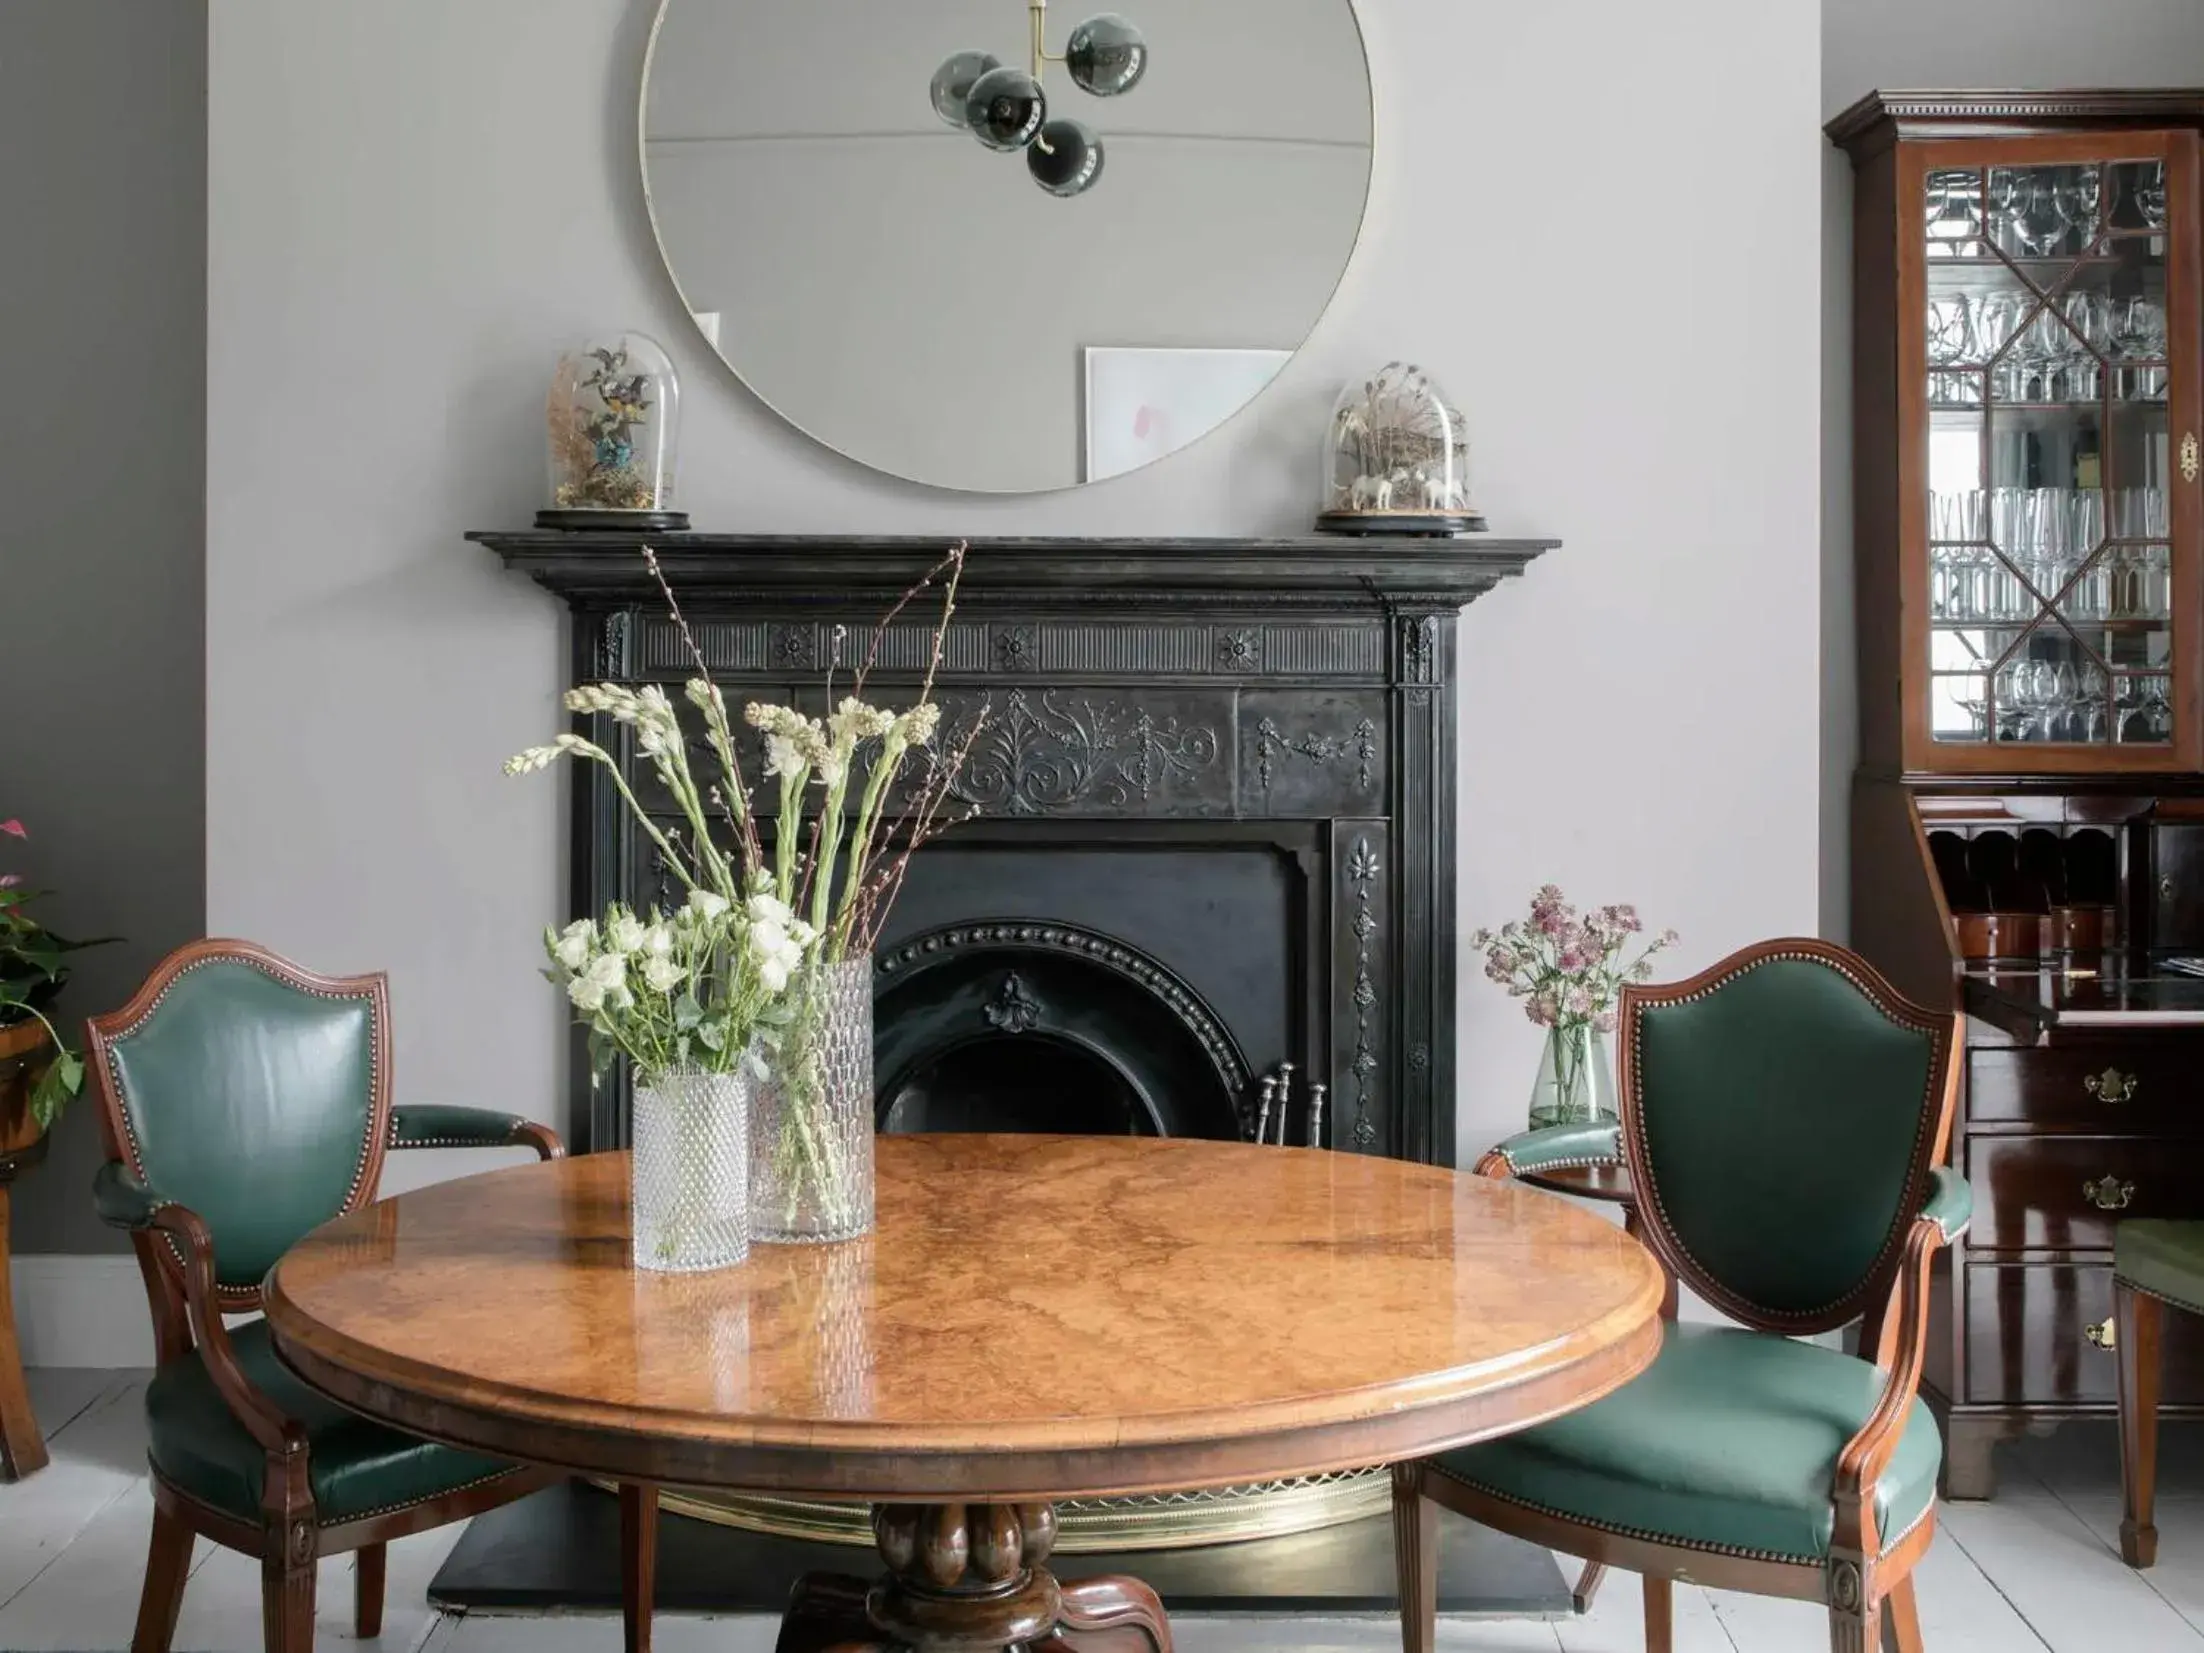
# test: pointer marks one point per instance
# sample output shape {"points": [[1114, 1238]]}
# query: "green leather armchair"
{"points": [[1784, 1116], [243, 1102]]}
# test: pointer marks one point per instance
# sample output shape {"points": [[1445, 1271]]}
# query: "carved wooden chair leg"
{"points": [[1586, 1589], [1096, 1607], [1901, 1619], [167, 1565], [287, 1602], [638, 1563], [1660, 1615], [2138, 1320], [1415, 1559], [367, 1591]]}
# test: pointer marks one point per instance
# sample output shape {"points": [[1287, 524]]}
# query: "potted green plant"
{"points": [[38, 1070]]}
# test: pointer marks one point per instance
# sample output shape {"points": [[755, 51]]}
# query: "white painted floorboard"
{"points": [[2035, 1571]]}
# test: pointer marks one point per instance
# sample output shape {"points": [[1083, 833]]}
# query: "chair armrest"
{"points": [[447, 1125], [1950, 1203], [123, 1201], [1555, 1148], [1943, 1218]]}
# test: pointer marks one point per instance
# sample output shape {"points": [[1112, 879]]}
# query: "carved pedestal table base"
{"points": [[970, 1578]]}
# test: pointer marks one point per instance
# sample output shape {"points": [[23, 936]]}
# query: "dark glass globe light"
{"points": [[1065, 159], [953, 83], [1006, 108], [1106, 56]]}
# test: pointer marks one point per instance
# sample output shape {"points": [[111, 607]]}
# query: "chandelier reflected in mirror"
{"points": [[1006, 107]]}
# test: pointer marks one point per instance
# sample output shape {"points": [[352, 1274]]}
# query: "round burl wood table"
{"points": [[1036, 1318]]}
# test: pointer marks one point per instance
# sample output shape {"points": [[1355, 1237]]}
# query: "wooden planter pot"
{"points": [[24, 1052]]}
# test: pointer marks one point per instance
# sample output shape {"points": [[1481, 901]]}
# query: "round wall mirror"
{"points": [[956, 269]]}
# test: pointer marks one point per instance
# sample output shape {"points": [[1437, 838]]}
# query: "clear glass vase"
{"points": [[1575, 1084], [811, 1172], [689, 1184]]}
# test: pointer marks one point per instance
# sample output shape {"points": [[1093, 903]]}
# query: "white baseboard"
{"points": [[81, 1311]]}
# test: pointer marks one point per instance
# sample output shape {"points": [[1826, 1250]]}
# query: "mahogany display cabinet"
{"points": [[2028, 813]]}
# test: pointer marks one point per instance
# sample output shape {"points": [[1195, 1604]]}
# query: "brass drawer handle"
{"points": [[2102, 1334], [2108, 1193], [2110, 1086]]}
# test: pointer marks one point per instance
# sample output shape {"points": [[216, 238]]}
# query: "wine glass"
{"points": [[1951, 340], [2091, 687], [2147, 189], [2037, 219], [2076, 198], [1997, 318], [2002, 202], [2089, 339]]}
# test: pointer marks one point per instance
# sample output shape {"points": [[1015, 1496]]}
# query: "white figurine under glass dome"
{"points": [[611, 420], [1396, 459]]}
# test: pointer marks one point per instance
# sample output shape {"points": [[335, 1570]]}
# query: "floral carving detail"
{"points": [[1013, 1009], [1014, 648], [612, 644], [1418, 649], [1358, 745], [1047, 753], [1362, 872], [1239, 651], [792, 646]]}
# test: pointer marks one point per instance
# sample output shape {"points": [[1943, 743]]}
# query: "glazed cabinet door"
{"points": [[2048, 345]]}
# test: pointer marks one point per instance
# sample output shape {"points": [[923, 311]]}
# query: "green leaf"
{"points": [[686, 1011], [712, 1036], [63, 1078]]}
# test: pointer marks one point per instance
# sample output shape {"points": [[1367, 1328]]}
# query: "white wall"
{"points": [[1892, 45], [415, 204]]}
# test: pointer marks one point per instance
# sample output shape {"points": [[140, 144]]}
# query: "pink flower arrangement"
{"points": [[1568, 968]]}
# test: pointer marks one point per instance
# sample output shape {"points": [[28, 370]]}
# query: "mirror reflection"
{"points": [[908, 296]]}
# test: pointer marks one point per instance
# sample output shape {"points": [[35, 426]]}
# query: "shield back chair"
{"points": [[2156, 1264], [244, 1101], [1784, 1119]]}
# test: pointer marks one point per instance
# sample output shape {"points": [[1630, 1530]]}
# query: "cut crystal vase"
{"points": [[811, 1126], [689, 1193], [1575, 1085]]}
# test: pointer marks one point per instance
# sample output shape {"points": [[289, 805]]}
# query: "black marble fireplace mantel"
{"points": [[1215, 788]]}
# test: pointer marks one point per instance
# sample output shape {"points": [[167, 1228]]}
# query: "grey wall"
{"points": [[102, 450], [1892, 45], [415, 205], [912, 298]]}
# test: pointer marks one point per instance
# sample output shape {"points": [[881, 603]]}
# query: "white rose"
{"points": [[607, 972], [707, 903], [774, 974], [768, 909], [658, 942], [588, 995], [624, 933], [572, 947], [661, 974]]}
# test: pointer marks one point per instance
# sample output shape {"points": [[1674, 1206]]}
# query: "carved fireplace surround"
{"points": [[1210, 887]]}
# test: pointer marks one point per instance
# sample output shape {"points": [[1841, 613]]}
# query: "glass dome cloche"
{"points": [[1396, 459], [612, 420]]}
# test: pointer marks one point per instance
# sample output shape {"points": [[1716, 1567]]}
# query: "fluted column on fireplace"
{"points": [[1210, 882]]}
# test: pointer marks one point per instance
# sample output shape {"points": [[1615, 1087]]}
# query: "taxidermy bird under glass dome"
{"points": [[1006, 107]]}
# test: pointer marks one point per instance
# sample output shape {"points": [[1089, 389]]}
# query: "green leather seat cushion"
{"points": [[1728, 1440], [2165, 1259], [356, 1467]]}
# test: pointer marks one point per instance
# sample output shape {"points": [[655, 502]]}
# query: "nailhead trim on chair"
{"points": [[1515, 1170], [1648, 1536], [247, 1294], [1649, 1186], [409, 1503]]}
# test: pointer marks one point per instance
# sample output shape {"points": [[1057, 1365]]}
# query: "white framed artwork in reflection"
{"points": [[1144, 402]]}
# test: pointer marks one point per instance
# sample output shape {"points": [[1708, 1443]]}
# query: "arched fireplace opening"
{"points": [[1022, 1026]]}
